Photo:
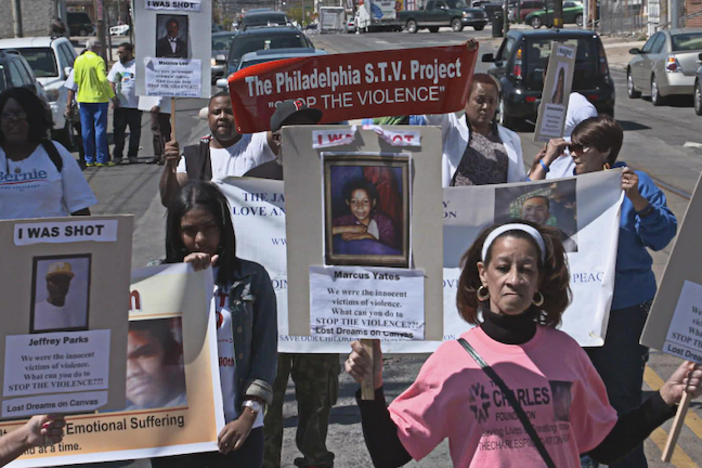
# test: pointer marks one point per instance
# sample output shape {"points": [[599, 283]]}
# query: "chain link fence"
{"points": [[622, 17]]}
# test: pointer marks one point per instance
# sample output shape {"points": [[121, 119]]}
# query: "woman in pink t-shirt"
{"points": [[515, 276]]}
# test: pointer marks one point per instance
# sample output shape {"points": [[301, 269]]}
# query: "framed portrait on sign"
{"points": [[367, 209]]}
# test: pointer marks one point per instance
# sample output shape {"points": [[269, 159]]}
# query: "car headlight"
{"points": [[467, 15], [213, 62], [52, 95]]}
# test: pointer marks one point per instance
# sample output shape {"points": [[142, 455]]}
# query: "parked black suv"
{"points": [[519, 65], [80, 24], [272, 37]]}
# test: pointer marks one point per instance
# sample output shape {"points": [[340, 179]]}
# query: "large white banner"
{"points": [[585, 208]]}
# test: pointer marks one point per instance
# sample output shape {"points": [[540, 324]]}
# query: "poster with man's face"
{"points": [[61, 291], [172, 36]]}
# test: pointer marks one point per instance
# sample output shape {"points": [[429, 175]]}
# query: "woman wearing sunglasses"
{"points": [[646, 222]]}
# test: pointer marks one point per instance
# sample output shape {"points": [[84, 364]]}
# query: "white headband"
{"points": [[516, 227]]}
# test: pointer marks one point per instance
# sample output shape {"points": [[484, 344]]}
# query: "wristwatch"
{"points": [[255, 406]]}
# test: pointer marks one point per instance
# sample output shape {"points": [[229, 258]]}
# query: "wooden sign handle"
{"points": [[173, 119], [368, 384], [677, 427]]}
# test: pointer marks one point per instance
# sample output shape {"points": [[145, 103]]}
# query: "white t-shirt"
{"points": [[250, 151], [70, 82], [227, 360], [50, 317], [33, 188], [579, 109], [124, 78]]}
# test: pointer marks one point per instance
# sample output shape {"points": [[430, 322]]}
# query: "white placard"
{"points": [[684, 337], [357, 302], [331, 138], [56, 362], [172, 5], [552, 120], [63, 403], [396, 137], [173, 77], [65, 232]]}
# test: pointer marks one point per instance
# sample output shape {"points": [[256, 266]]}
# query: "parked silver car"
{"points": [[666, 65]]}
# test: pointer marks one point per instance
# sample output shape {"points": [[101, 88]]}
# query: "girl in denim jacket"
{"points": [[200, 231]]}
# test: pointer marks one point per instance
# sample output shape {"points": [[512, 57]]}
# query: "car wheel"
{"points": [[433, 30], [456, 25], [535, 22], [697, 96], [579, 20], [478, 28], [656, 98], [412, 26], [630, 89]]}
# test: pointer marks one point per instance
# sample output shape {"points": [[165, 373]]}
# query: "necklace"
{"points": [[18, 169]]}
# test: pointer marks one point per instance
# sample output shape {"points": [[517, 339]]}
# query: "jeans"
{"points": [[127, 116], [161, 130], [250, 455], [93, 122], [620, 363]]}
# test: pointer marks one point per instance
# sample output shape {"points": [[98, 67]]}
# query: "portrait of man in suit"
{"points": [[174, 44]]}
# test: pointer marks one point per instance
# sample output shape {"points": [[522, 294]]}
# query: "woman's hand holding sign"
{"points": [[360, 364], [687, 378]]}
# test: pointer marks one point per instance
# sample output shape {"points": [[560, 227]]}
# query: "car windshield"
{"points": [[41, 60], [222, 42], [245, 44], [456, 4], [537, 52], [265, 20], [691, 41]]}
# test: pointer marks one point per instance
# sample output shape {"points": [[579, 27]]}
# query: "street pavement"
{"points": [[660, 141]]}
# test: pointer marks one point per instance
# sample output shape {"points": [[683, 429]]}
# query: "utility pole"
{"points": [[558, 14], [505, 8], [674, 14], [17, 15]]}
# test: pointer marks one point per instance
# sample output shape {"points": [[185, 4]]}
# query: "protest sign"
{"points": [[173, 48], [555, 96], [431, 80], [674, 323], [173, 401], [591, 239], [65, 286]]}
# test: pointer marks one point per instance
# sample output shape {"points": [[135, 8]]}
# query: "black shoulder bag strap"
{"points": [[512, 401], [53, 153]]}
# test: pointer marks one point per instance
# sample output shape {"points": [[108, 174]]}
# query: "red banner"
{"points": [[432, 80]]}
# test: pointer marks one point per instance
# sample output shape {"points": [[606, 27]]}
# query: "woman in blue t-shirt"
{"points": [[646, 223]]}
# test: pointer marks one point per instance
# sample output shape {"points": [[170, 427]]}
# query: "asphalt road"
{"points": [[655, 140]]}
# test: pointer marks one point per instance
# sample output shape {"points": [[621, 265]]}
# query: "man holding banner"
{"points": [[224, 153]]}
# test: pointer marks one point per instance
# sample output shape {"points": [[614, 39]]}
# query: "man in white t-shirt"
{"points": [[52, 313], [223, 154], [122, 78]]}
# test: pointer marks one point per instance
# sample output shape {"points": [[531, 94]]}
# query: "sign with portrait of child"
{"points": [[360, 264]]}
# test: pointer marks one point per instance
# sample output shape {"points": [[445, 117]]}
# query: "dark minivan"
{"points": [[520, 61], [80, 24]]}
